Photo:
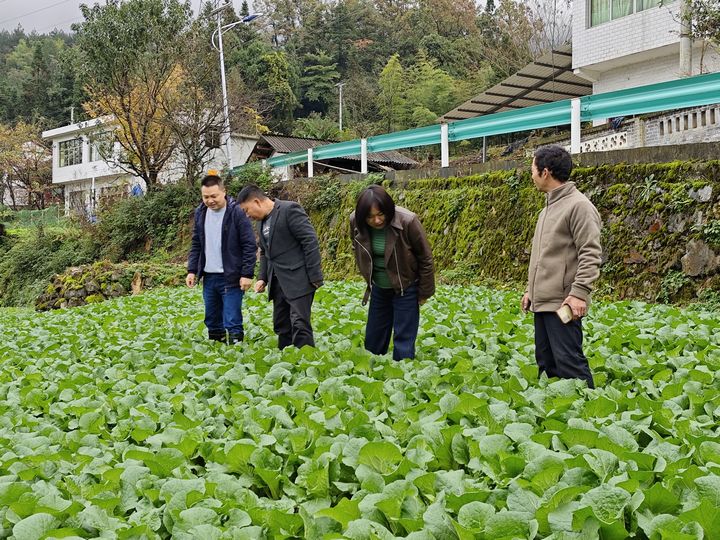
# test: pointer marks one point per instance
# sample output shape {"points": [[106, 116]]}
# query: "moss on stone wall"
{"points": [[661, 234], [97, 282]]}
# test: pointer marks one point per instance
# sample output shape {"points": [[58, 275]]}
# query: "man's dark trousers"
{"points": [[291, 318], [223, 307], [558, 348]]}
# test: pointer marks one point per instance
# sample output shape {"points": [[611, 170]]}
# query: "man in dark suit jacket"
{"points": [[289, 263]]}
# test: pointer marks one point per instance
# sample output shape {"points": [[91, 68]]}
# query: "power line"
{"points": [[33, 12]]}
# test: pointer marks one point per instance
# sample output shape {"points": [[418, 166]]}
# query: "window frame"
{"points": [[634, 10], [70, 152], [101, 142]]}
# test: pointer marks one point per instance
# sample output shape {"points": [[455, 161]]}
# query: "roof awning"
{"points": [[547, 79]]}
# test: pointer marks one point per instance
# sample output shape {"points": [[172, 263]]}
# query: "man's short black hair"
{"points": [[373, 196], [212, 180], [555, 159], [250, 191]]}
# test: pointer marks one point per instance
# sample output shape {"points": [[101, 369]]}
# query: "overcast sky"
{"points": [[46, 15]]}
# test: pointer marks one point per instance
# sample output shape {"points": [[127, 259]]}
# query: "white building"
{"points": [[87, 177], [618, 44]]}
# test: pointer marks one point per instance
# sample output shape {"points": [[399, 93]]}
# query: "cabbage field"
{"points": [[120, 420]]}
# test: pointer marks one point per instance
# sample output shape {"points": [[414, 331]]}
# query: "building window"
{"points": [[70, 152], [213, 138], [602, 11], [647, 4], [599, 12], [101, 146], [621, 8]]}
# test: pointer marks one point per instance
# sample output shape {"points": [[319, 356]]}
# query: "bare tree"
{"points": [[553, 24], [702, 18], [26, 162], [130, 56], [515, 33]]}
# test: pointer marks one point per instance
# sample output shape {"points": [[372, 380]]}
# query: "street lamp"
{"points": [[340, 87], [219, 47]]}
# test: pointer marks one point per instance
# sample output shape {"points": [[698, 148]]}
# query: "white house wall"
{"points": [[242, 147], [78, 180], [635, 50], [630, 35], [82, 171], [80, 197], [660, 69]]}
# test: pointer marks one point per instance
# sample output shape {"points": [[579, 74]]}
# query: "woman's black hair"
{"points": [[373, 196]]}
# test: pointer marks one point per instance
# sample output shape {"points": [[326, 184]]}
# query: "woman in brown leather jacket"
{"points": [[393, 255]]}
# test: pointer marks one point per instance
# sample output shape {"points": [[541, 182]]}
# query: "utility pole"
{"points": [[340, 87]]}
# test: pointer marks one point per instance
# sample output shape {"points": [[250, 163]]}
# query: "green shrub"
{"points": [[136, 227], [711, 232], [252, 173], [671, 285], [28, 263]]}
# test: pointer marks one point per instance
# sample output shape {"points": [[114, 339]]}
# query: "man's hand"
{"points": [[190, 280], [245, 283], [260, 286], [422, 301], [578, 306], [317, 284], [525, 302]]}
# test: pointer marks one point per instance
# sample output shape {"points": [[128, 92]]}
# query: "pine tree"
{"points": [[392, 94], [318, 83]]}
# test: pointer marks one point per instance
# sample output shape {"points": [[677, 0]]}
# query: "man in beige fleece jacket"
{"points": [[564, 264]]}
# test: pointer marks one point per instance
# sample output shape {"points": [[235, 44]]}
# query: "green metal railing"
{"points": [[689, 92], [539, 116], [423, 136]]}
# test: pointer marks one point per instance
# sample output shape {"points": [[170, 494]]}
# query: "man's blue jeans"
{"points": [[223, 305], [392, 313]]}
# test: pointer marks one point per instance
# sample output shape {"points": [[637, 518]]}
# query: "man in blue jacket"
{"points": [[223, 254]]}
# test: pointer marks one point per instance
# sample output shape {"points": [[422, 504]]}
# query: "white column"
{"points": [[444, 146], [685, 39], [310, 163], [363, 156], [93, 200], [85, 149], [575, 126]]}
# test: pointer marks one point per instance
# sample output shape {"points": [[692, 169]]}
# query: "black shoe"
{"points": [[234, 339], [217, 336]]}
